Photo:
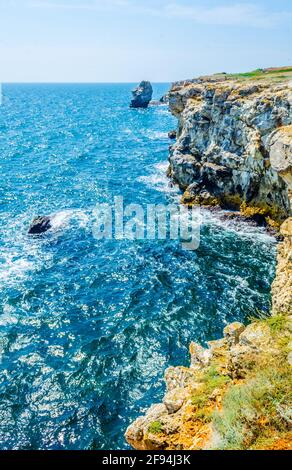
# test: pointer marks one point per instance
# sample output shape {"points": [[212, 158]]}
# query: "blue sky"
{"points": [[130, 40]]}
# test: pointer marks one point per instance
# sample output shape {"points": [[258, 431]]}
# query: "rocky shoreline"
{"points": [[233, 150]]}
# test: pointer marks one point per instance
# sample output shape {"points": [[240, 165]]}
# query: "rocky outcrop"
{"points": [[142, 95], [185, 419], [172, 135], [234, 144], [234, 149], [40, 225]]}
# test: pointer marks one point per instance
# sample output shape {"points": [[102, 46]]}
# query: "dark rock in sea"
{"points": [[39, 225], [142, 95], [172, 135]]}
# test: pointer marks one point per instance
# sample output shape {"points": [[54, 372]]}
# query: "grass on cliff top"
{"points": [[281, 73], [277, 323], [258, 411]]}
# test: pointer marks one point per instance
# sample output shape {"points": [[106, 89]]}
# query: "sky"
{"points": [[131, 40]]}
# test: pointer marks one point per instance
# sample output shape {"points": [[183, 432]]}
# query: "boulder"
{"points": [[174, 399], [40, 224], [200, 357], [142, 95], [172, 135], [232, 333]]}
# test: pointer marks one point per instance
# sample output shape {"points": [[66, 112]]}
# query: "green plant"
{"points": [[253, 409], [277, 323], [155, 427], [205, 416], [210, 381]]}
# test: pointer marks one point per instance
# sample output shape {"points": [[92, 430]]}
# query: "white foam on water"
{"points": [[158, 179], [14, 268], [156, 135], [62, 219], [242, 227]]}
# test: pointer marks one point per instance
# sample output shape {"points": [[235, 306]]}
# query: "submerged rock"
{"points": [[142, 95], [40, 224]]}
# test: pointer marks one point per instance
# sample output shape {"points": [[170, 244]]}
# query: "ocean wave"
{"points": [[158, 179], [62, 219]]}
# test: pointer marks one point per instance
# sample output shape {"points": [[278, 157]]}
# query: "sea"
{"points": [[88, 326]]}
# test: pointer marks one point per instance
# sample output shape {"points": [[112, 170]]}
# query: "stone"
{"points": [[282, 285], [174, 400], [142, 95], [254, 342], [172, 135], [40, 225], [232, 332], [281, 152], [138, 431], [200, 357], [164, 99], [179, 377]]}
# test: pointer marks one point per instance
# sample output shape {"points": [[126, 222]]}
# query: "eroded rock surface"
{"points": [[184, 420], [142, 95], [282, 286], [40, 225], [234, 144], [234, 149]]}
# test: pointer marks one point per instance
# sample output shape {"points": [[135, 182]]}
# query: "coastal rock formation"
{"points": [[282, 286], [142, 95], [234, 149], [234, 144], [222, 400], [164, 99], [172, 135], [40, 225]]}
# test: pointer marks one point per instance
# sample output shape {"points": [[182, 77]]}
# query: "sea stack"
{"points": [[142, 95], [40, 225]]}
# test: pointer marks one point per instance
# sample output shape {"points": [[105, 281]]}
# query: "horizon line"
{"points": [[83, 83]]}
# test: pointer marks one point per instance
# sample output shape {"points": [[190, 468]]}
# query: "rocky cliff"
{"points": [[233, 149], [234, 143]]}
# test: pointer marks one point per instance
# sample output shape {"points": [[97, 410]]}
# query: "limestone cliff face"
{"points": [[282, 286], [234, 143], [233, 148]]}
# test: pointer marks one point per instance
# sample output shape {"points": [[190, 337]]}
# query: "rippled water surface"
{"points": [[87, 327]]}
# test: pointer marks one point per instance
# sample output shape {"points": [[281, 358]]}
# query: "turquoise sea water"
{"points": [[87, 327]]}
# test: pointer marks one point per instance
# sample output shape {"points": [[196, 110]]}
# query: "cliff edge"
{"points": [[233, 149], [234, 143]]}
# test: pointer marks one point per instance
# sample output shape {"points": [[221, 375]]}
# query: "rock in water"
{"points": [[172, 135], [39, 225], [142, 95]]}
